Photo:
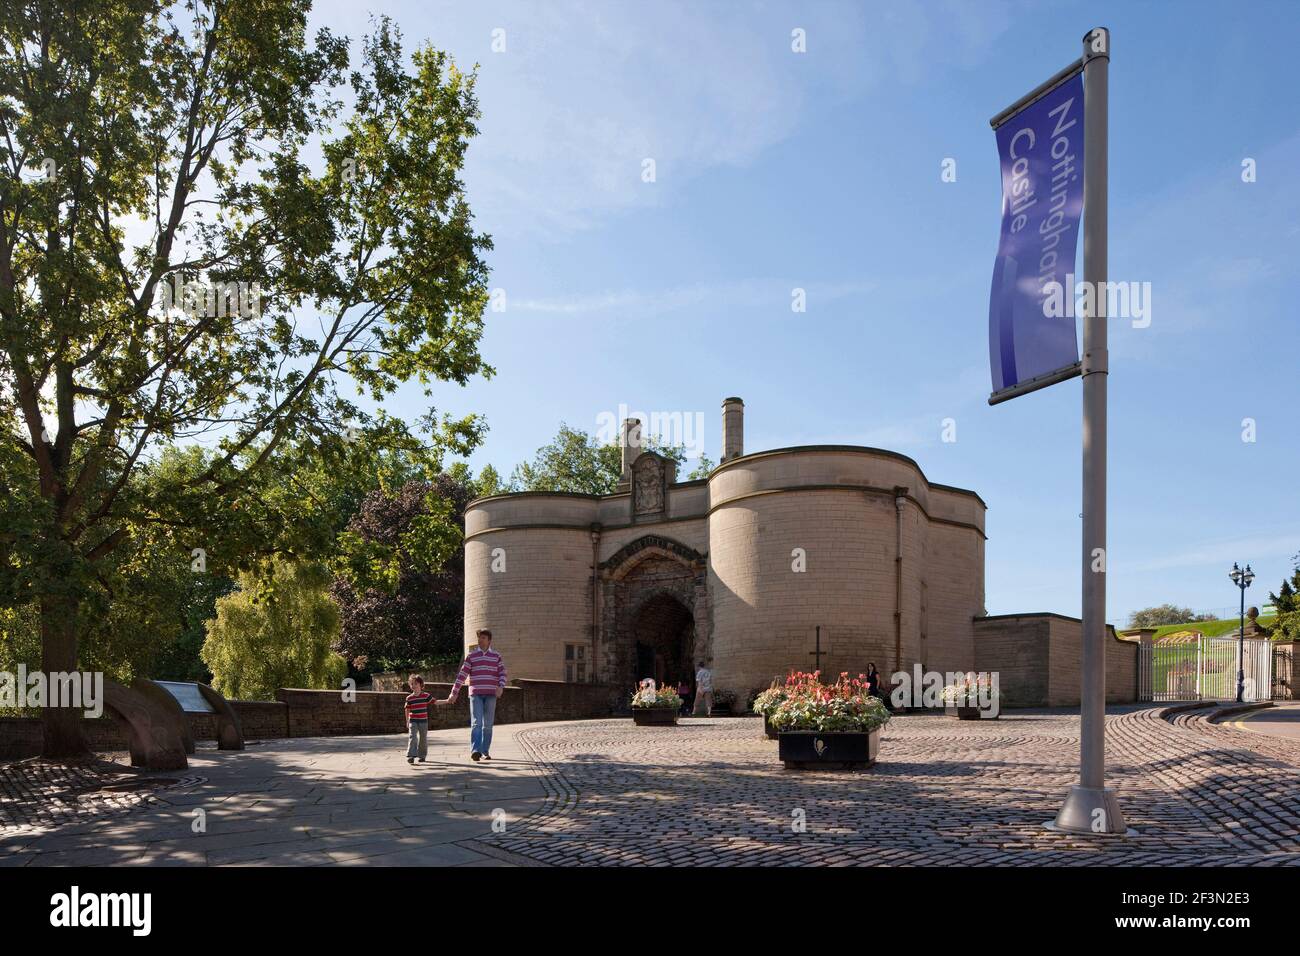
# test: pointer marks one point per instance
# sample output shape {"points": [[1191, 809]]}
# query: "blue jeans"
{"points": [[418, 739], [483, 710]]}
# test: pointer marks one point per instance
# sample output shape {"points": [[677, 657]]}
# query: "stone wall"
{"points": [[539, 602], [841, 506], [753, 616], [1037, 657], [323, 713]]}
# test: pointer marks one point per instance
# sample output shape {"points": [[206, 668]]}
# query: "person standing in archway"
{"points": [[485, 672], [703, 690]]}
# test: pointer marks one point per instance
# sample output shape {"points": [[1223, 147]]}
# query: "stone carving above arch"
{"points": [[623, 561], [650, 479]]}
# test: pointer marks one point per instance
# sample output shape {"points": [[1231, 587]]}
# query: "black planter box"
{"points": [[654, 716], [966, 713], [768, 730], [841, 750]]}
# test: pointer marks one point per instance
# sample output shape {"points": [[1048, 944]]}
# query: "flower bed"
{"points": [[973, 698], [765, 704], [655, 706], [826, 725]]}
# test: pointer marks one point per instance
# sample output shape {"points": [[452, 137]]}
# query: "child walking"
{"points": [[417, 720]]}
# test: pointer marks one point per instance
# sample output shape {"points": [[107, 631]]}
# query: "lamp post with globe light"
{"points": [[1242, 579]]}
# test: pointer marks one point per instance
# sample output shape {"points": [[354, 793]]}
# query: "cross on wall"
{"points": [[818, 652]]}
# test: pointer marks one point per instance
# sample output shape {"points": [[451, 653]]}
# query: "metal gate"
{"points": [[1283, 674], [1196, 667]]}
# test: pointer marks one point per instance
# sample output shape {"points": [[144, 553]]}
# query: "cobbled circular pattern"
{"points": [[37, 794], [712, 793]]}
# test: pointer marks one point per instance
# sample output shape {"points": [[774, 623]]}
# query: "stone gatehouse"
{"points": [[740, 568]]}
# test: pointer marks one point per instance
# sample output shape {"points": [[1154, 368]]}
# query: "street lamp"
{"points": [[1242, 579]]}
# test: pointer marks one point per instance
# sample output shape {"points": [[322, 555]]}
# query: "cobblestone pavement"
{"points": [[711, 793], [37, 794]]}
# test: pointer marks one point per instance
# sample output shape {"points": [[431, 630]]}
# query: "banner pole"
{"points": [[1089, 807]]}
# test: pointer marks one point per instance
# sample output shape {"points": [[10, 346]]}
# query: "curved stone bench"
{"points": [[153, 736]]}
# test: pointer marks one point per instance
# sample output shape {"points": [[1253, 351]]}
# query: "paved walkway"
{"points": [[708, 793], [307, 802]]}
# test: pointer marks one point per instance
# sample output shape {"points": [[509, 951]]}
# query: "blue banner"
{"points": [[1041, 149]]}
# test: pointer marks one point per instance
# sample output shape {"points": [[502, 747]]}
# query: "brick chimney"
{"points": [[733, 428]]}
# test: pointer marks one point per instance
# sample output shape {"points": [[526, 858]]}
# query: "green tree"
{"points": [[400, 575], [1287, 602], [702, 470], [575, 461], [277, 630], [1160, 615], [172, 269]]}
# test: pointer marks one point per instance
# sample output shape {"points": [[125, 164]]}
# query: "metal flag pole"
{"points": [[1089, 806]]}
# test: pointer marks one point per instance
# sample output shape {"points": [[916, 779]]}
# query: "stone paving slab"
{"points": [[300, 802]]}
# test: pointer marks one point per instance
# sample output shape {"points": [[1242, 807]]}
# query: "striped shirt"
{"points": [[484, 670], [417, 705]]}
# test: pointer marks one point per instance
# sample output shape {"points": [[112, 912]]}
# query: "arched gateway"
{"points": [[654, 621]]}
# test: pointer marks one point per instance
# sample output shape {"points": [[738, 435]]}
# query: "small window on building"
{"points": [[575, 663]]}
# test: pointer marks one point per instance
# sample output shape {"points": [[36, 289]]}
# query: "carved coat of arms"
{"points": [[648, 485]]}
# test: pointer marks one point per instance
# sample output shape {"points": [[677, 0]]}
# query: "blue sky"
{"points": [[777, 170]]}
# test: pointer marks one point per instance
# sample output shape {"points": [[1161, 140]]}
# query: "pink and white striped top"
{"points": [[485, 671]]}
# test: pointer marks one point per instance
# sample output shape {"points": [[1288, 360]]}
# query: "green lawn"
{"points": [[1210, 628]]}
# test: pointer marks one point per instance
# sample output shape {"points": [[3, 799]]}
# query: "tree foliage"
{"points": [[400, 575], [575, 461], [277, 630], [1163, 614], [1287, 602], [174, 273]]}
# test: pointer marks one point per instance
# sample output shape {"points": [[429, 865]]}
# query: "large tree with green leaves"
{"points": [[400, 575], [277, 630], [577, 461], [1287, 603], [201, 243], [1161, 615]]}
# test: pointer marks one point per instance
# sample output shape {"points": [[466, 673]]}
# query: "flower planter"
{"points": [[967, 713], [768, 730], [838, 750], [654, 716]]}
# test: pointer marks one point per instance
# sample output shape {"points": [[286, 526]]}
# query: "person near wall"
{"points": [[873, 680], [485, 672], [417, 720], [703, 690]]}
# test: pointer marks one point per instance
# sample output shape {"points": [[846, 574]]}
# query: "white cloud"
{"points": [[745, 293], [586, 91]]}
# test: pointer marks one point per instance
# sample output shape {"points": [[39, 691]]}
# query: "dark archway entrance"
{"points": [[654, 611], [664, 632]]}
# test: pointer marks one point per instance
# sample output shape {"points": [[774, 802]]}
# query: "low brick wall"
{"points": [[1037, 657], [323, 713]]}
